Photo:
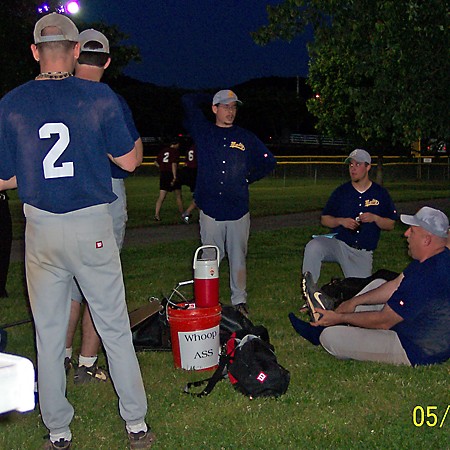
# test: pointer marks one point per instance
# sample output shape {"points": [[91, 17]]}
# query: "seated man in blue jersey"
{"points": [[403, 321], [356, 212]]}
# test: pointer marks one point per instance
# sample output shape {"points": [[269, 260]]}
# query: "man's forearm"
{"points": [[380, 295], [385, 223], [8, 184]]}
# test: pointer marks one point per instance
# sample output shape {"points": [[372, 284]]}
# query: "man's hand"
{"points": [[328, 318], [346, 307], [349, 223], [367, 217]]}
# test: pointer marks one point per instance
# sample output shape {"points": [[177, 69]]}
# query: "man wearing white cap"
{"points": [[356, 212], [50, 140], [229, 158], [404, 321]]}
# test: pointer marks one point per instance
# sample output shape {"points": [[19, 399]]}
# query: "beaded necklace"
{"points": [[53, 75]]}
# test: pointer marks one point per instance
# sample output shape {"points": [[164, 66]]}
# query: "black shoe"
{"points": [[314, 297], [157, 219], [61, 444], [68, 364], [141, 440], [85, 374], [242, 308]]}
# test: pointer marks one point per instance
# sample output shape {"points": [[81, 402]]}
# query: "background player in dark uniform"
{"points": [[50, 140], [356, 212], [167, 162], [229, 159], [188, 176]]}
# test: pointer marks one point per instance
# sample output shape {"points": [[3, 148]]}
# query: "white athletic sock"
{"points": [[69, 352], [87, 361], [67, 435], [137, 428]]}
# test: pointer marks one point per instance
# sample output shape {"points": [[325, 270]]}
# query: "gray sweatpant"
{"points": [[57, 248], [353, 262], [230, 236], [363, 344]]}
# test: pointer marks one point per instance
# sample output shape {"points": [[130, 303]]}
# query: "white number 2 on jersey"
{"points": [[48, 164]]}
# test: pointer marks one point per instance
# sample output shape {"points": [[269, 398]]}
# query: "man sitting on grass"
{"points": [[403, 321]]}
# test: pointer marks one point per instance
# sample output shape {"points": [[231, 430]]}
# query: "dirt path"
{"points": [[169, 233]]}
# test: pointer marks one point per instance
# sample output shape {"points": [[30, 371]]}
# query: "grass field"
{"points": [[329, 403]]}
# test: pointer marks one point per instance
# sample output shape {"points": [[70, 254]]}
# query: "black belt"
{"points": [[3, 196]]}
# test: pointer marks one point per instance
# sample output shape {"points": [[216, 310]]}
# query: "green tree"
{"points": [[380, 68]]}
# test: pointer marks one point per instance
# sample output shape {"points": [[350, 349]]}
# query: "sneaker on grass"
{"points": [[68, 364], [141, 440], [85, 374], [242, 308], [314, 297], [61, 444]]}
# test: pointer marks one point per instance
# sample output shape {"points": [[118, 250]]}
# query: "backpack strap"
{"points": [[218, 375]]}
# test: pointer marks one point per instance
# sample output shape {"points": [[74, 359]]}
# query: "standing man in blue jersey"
{"points": [[93, 60], [57, 135], [229, 158], [356, 212]]}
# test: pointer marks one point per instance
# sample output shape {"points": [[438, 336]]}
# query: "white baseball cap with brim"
{"points": [[225, 97], [359, 155], [92, 35], [67, 29], [430, 219]]}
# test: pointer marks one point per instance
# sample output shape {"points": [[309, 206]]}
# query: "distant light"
{"points": [[72, 7], [44, 8]]}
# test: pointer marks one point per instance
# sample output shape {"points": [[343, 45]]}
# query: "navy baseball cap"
{"points": [[430, 219], [225, 97], [67, 29]]}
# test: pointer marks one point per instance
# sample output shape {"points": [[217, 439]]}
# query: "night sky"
{"points": [[198, 43]]}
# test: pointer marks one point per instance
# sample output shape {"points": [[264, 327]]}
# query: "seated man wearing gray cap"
{"points": [[403, 321], [356, 212]]}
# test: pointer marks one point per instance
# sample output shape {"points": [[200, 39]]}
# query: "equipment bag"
{"points": [[344, 289], [149, 327], [251, 365], [232, 320]]}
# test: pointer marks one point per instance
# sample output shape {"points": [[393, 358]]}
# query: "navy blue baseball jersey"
{"points": [[116, 171], [346, 201], [39, 131], [423, 301], [228, 160]]}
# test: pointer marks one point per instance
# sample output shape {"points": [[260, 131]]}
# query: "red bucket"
{"points": [[195, 336]]}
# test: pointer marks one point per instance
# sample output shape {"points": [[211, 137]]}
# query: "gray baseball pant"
{"points": [[81, 244], [118, 211], [230, 236], [363, 344], [353, 262]]}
